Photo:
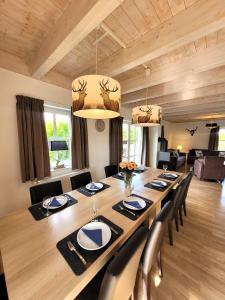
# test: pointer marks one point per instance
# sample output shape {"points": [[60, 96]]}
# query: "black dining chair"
{"points": [[189, 178], [176, 209], [111, 170], [120, 276], [152, 252], [49, 189], [80, 180], [3, 288]]}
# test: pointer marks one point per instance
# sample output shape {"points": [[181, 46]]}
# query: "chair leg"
{"points": [[177, 223], [181, 217], [132, 297], [159, 262], [146, 287], [170, 232], [184, 208]]}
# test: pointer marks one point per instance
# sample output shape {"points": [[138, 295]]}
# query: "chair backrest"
{"points": [[187, 183], [178, 197], [80, 180], [111, 170], [155, 238], [120, 277], [38, 192]]}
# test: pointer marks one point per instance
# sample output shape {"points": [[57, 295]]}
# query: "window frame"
{"points": [[221, 129], [128, 158], [61, 111]]}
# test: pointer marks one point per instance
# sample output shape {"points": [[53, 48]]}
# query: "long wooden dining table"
{"points": [[33, 266]]}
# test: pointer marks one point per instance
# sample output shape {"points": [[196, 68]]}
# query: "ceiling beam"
{"points": [[202, 61], [113, 35], [76, 22], [204, 116], [197, 21], [185, 85], [216, 99], [217, 91], [196, 117], [219, 106], [202, 110]]}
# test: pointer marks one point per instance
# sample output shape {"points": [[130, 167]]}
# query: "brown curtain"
{"points": [[145, 153], [33, 143], [214, 139], [79, 144], [115, 140]]}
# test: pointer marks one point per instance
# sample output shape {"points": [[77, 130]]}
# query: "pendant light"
{"points": [[146, 115], [96, 96]]}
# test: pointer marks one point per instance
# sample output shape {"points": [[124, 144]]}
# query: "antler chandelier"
{"points": [[96, 96], [146, 115]]}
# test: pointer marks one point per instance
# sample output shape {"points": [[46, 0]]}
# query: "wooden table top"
{"points": [[33, 266]]}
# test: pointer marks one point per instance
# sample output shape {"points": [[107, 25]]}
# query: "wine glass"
{"points": [[94, 209], [165, 167], [47, 206]]}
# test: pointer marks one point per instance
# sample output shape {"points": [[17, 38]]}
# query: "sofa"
{"points": [[210, 167], [172, 158], [192, 154]]}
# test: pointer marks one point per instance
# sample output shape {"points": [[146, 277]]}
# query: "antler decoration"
{"points": [[148, 109], [81, 87], [105, 86], [192, 131]]}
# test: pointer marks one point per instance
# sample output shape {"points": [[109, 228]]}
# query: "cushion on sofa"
{"points": [[198, 153]]}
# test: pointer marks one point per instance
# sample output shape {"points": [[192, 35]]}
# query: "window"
{"points": [[58, 128], [132, 143], [221, 146]]}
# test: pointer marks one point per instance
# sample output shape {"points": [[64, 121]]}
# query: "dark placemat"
{"points": [[88, 193], [168, 178], [38, 211], [137, 213], [117, 176], [140, 171], [90, 256], [161, 189]]}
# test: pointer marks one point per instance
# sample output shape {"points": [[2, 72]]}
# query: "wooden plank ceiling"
{"points": [[182, 41]]}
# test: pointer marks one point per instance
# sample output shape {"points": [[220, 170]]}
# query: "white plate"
{"points": [[159, 183], [141, 202], [94, 186], [61, 199], [170, 175], [85, 242]]}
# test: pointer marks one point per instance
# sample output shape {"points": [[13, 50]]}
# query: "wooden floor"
{"points": [[194, 268]]}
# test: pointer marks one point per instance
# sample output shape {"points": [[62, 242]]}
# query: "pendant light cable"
{"points": [[147, 74], [96, 51]]}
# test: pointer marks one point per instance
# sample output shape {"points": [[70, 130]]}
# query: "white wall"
{"points": [[98, 149], [177, 135], [13, 193]]}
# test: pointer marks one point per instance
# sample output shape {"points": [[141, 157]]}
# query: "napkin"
{"points": [[93, 186], [134, 204], [159, 183], [170, 175], [94, 234], [55, 202]]}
